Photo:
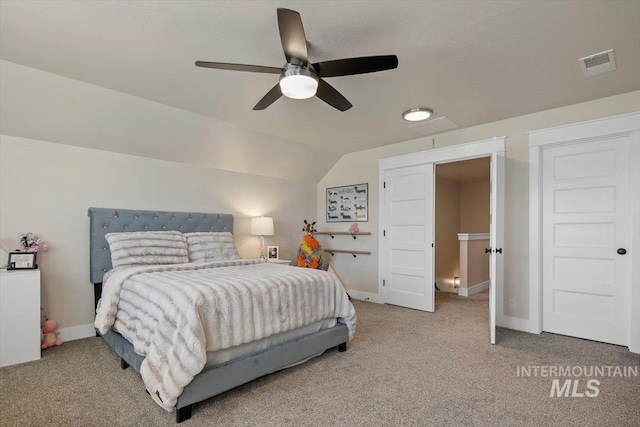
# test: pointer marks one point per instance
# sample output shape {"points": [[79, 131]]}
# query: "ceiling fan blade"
{"points": [[331, 96], [351, 66], [294, 43], [239, 67], [271, 97]]}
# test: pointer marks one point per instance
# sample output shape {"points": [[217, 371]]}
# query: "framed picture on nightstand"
{"points": [[22, 261], [273, 253]]}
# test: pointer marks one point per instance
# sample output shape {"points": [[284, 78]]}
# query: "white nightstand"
{"points": [[19, 316], [280, 261]]}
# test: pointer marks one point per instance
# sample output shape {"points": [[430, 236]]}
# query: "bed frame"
{"points": [[211, 381]]}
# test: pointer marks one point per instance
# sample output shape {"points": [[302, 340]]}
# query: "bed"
{"points": [[228, 367]]}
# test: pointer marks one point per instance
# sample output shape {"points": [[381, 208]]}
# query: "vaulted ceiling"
{"points": [[471, 61]]}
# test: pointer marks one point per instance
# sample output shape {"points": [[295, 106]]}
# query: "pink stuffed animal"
{"points": [[49, 334]]}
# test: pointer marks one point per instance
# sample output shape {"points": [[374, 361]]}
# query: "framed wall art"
{"points": [[348, 203]]}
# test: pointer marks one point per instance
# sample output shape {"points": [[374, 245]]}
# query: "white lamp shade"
{"points": [[262, 226]]}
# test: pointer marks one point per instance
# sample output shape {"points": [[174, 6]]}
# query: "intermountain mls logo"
{"points": [[585, 382]]}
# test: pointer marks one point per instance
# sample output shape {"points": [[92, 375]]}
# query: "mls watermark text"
{"points": [[576, 381]]}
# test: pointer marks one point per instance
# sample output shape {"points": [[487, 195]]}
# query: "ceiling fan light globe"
{"points": [[417, 114], [298, 86]]}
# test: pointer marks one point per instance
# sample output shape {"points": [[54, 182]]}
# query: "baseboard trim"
{"points": [[515, 323], [77, 332], [467, 292], [366, 296]]}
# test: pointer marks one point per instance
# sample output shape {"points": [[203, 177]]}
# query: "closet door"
{"points": [[408, 237], [586, 234]]}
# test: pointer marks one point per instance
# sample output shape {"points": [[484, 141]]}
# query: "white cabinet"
{"points": [[19, 316]]}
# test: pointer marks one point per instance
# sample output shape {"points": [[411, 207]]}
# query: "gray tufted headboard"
{"points": [[103, 221]]}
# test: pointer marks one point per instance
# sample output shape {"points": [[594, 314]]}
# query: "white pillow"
{"points": [[205, 247], [147, 247]]}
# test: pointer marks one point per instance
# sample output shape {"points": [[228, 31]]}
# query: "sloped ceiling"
{"points": [[471, 61]]}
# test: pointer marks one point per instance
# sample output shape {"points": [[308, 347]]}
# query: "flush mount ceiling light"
{"points": [[298, 83], [417, 114]]}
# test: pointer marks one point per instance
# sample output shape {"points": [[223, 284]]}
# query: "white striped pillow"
{"points": [[205, 247], [147, 247]]}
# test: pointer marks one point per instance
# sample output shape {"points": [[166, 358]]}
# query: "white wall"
{"points": [[362, 167], [46, 188], [474, 207], [447, 256]]}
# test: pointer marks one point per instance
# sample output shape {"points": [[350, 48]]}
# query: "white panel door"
{"points": [[585, 221], [496, 268], [408, 240]]}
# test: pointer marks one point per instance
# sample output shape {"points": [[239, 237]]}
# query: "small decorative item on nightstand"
{"points": [[273, 253], [22, 261], [24, 258]]}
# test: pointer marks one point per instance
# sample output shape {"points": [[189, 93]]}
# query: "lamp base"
{"points": [[262, 247]]}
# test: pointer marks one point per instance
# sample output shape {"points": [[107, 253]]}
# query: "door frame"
{"points": [[593, 130], [455, 153]]}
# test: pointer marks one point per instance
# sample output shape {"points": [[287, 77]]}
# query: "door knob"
{"points": [[487, 250], [622, 251]]}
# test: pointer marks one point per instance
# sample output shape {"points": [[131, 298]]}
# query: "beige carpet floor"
{"points": [[404, 368]]}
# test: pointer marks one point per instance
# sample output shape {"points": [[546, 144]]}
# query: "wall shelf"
{"points": [[344, 233], [342, 251]]}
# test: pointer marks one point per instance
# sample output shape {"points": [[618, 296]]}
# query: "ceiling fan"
{"points": [[300, 79]]}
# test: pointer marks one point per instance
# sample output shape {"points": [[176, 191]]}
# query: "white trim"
{"points": [[473, 236], [515, 323], [366, 296], [535, 257], [455, 153], [77, 332], [634, 297], [382, 273], [625, 124], [467, 292]]}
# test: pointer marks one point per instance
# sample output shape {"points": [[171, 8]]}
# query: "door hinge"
{"points": [[384, 233], [432, 245], [384, 185], [383, 283]]}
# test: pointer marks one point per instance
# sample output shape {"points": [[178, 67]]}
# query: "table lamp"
{"points": [[262, 226]]}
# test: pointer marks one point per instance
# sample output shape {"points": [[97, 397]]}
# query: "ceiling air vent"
{"points": [[598, 63]]}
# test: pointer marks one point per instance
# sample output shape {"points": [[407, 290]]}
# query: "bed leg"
{"points": [[183, 414], [342, 347], [123, 364]]}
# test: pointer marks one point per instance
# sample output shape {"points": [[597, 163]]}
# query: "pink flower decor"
{"points": [[29, 242]]}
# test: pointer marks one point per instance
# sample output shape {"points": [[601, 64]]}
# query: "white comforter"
{"points": [[174, 314]]}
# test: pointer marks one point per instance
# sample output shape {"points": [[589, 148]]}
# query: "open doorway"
{"points": [[462, 228], [407, 220]]}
